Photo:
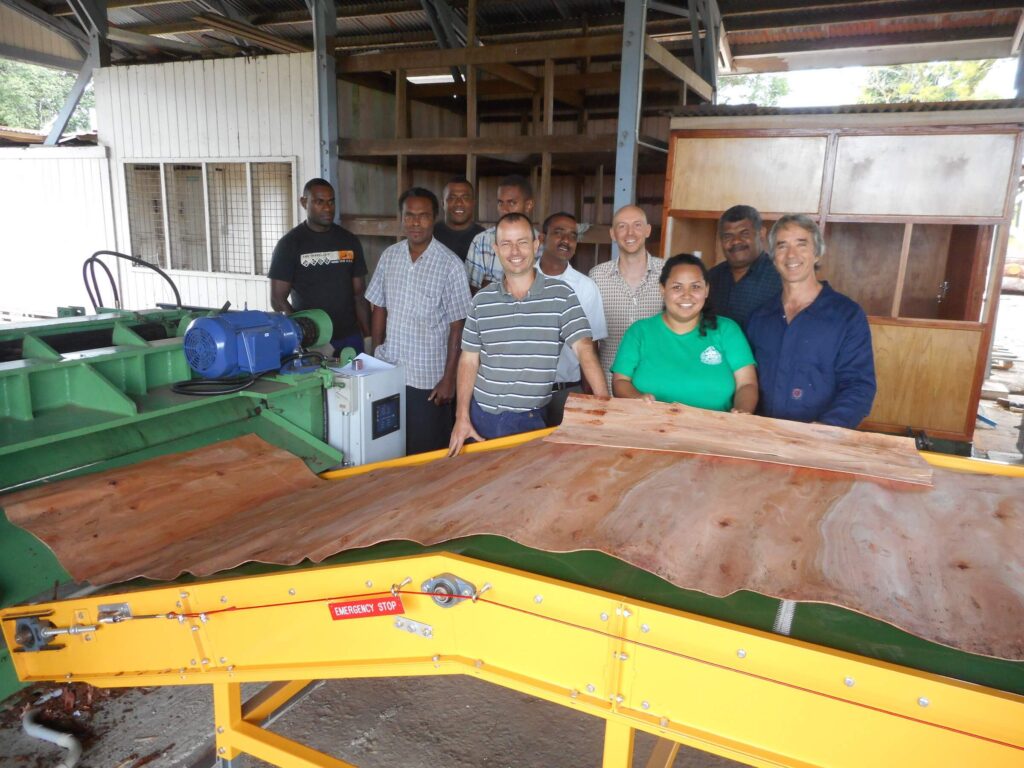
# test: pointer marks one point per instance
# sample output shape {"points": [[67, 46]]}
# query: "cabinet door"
{"points": [[926, 376], [950, 174], [775, 174]]}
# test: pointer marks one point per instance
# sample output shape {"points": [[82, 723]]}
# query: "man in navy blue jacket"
{"points": [[812, 344]]}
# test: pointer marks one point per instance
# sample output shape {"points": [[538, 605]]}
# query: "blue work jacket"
{"points": [[819, 367]]}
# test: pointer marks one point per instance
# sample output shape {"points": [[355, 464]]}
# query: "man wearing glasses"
{"points": [[513, 336]]}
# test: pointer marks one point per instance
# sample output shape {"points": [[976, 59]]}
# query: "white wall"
{"points": [[54, 213], [245, 108]]}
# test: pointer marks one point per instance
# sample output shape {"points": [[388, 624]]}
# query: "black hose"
{"points": [[97, 300], [212, 387], [95, 260]]}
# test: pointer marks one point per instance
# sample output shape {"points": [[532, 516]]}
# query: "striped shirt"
{"points": [[482, 263], [624, 305], [519, 342], [423, 298]]}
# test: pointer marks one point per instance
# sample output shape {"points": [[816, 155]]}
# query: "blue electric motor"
{"points": [[250, 342]]}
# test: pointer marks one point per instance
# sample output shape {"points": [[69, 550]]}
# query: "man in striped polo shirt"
{"points": [[512, 340]]}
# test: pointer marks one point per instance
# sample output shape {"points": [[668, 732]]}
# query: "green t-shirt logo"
{"points": [[711, 356]]}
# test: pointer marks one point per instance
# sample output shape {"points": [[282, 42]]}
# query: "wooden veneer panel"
{"points": [[945, 563], [619, 423]]}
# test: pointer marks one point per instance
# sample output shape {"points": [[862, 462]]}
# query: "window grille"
{"points": [[212, 216]]}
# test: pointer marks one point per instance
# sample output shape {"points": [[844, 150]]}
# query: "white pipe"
{"points": [[65, 740]]}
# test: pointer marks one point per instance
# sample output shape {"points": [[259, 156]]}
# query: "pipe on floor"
{"points": [[65, 740]]}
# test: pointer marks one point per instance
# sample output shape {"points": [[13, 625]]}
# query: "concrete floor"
{"points": [[432, 722]]}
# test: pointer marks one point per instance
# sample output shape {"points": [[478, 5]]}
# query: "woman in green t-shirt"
{"points": [[686, 354]]}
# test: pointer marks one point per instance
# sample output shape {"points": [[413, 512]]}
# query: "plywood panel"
{"points": [[923, 175], [900, 555], [925, 375], [773, 174], [862, 261], [620, 423], [691, 235]]}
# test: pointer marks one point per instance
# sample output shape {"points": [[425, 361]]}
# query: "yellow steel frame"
{"points": [[754, 697]]}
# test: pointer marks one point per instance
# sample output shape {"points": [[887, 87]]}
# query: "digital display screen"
{"points": [[387, 416]]}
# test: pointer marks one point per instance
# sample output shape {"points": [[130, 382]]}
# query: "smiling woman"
{"points": [[686, 354]]}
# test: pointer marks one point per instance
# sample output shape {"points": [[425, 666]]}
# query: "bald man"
{"points": [[629, 285]]}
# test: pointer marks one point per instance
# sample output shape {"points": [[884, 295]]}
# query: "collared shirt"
{"points": [[482, 264], [623, 304], [423, 298], [819, 367], [519, 341], [590, 299], [737, 299]]}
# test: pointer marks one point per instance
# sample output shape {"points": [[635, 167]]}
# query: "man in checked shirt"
{"points": [[629, 285], [420, 300]]}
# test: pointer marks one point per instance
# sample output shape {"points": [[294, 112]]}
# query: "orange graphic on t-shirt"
{"points": [[346, 255]]}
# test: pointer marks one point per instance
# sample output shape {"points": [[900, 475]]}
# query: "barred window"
{"points": [[209, 216]]}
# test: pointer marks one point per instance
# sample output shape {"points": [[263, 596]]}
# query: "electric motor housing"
{"points": [[244, 342]]}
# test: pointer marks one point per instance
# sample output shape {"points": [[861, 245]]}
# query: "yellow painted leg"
{"points": [[227, 714], [664, 754], [618, 745]]}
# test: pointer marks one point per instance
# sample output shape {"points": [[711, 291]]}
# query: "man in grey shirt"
{"points": [[513, 337]]}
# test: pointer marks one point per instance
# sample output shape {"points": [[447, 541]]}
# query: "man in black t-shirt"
{"points": [[459, 228], [320, 265]]}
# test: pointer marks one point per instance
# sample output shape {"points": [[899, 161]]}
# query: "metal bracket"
{"points": [[447, 589], [414, 627], [113, 613]]}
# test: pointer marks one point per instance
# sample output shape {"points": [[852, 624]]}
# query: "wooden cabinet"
{"points": [[915, 209]]}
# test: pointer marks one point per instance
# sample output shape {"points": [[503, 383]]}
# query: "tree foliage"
{"points": [[31, 97], [931, 81], [763, 90]]}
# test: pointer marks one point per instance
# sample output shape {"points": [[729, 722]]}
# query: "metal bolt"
{"points": [[399, 623], [663, 722], [626, 612], [741, 653], [183, 595], [590, 688], [369, 583], [574, 694], [67, 676], [88, 638], [203, 618], [538, 599], [923, 702], [623, 656], [231, 668], [478, 663], [291, 591], [645, 705], [645, 628], [194, 628], [177, 603], [204, 661], [435, 659], [223, 598], [222, 660], [221, 750], [604, 616], [220, 729], [619, 698], [849, 682], [427, 632], [193, 662]]}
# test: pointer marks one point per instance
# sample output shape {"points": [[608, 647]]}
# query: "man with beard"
{"points": [[747, 278]]}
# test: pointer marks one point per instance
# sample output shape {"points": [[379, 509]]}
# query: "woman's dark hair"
{"points": [[708, 319]]}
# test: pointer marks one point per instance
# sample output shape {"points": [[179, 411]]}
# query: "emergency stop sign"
{"points": [[364, 609]]}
